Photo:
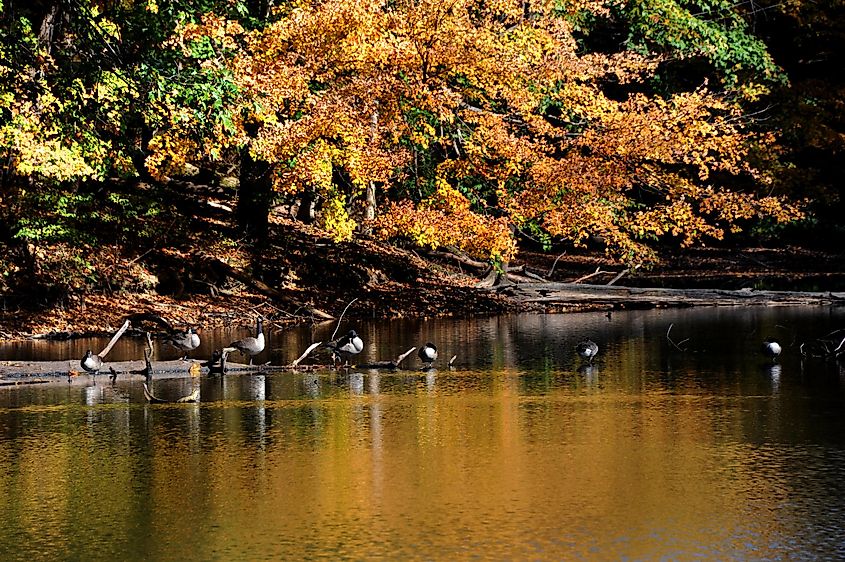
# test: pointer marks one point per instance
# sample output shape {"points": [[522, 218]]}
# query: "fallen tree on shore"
{"points": [[565, 296]]}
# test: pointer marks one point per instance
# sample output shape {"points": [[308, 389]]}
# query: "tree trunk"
{"points": [[48, 32], [49, 29], [305, 212], [255, 194], [255, 191], [259, 9]]}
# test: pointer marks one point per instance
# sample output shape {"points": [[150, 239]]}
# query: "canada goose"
{"points": [[217, 364], [212, 362], [771, 349], [428, 354], [185, 341], [347, 346], [91, 362], [249, 346], [587, 349]]}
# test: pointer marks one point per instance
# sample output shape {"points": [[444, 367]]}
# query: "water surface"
{"points": [[520, 452]]}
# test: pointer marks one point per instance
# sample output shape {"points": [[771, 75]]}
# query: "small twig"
{"points": [[676, 345], [139, 257], [618, 276], [341, 318], [307, 351], [452, 361]]}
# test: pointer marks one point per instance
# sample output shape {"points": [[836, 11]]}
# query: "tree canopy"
{"points": [[472, 121]]}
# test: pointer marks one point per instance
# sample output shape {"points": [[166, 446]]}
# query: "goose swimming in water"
{"points": [[92, 363], [347, 346], [250, 346], [587, 349], [771, 349], [428, 354]]}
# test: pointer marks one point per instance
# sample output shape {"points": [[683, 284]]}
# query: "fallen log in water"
{"points": [[32, 372], [563, 295], [126, 370]]}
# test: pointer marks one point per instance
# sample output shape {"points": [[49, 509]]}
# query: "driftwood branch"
{"points": [[622, 273], [552, 269], [598, 271], [573, 295], [311, 348], [392, 364], [534, 276], [113, 341], [460, 258], [823, 347]]}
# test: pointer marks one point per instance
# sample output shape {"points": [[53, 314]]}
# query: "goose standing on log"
{"points": [[347, 346], [587, 349], [249, 346], [185, 341], [428, 354], [92, 363], [771, 349]]}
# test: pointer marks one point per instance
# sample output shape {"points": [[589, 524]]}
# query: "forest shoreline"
{"points": [[366, 278]]}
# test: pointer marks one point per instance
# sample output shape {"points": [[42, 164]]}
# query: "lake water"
{"points": [[518, 453]]}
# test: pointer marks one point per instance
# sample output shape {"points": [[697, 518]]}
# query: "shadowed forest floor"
{"points": [[300, 275]]}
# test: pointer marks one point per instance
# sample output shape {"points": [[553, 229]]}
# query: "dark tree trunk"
{"points": [[305, 212], [259, 9], [49, 29], [254, 196]]}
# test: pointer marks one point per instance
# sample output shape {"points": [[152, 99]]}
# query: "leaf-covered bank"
{"points": [[198, 273]]}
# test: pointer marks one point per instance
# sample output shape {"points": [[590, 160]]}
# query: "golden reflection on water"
{"points": [[615, 461], [496, 475]]}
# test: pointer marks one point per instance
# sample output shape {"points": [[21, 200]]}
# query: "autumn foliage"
{"points": [[480, 119], [473, 121]]}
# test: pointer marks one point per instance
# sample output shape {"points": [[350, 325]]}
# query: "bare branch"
{"points": [[114, 339], [341, 318], [311, 348], [675, 345], [598, 271], [552, 270]]}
